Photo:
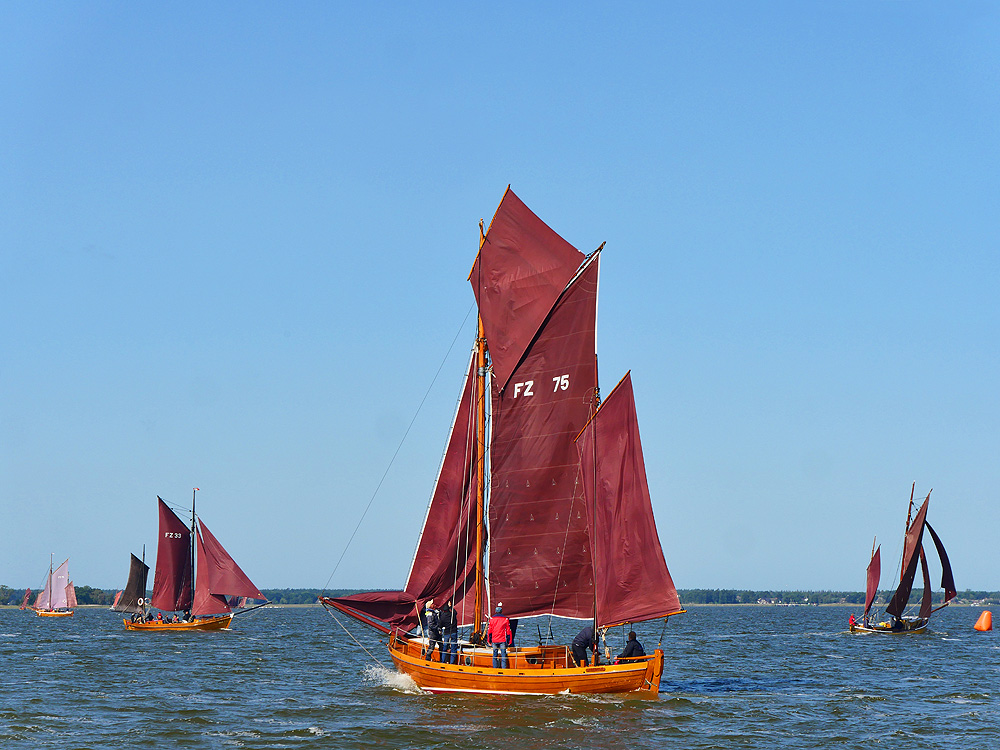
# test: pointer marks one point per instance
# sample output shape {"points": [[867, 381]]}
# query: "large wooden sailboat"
{"points": [[58, 597], [542, 503], [208, 601], [898, 622]]}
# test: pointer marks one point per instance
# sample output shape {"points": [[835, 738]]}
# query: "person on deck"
{"points": [[633, 648], [448, 622], [584, 640], [433, 629], [499, 636]]}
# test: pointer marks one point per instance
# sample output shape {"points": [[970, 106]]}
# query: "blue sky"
{"points": [[234, 245]]}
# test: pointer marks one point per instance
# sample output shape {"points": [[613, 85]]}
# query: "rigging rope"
{"points": [[351, 635], [398, 448]]}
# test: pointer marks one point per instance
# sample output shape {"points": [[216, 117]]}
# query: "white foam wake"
{"points": [[376, 674]]}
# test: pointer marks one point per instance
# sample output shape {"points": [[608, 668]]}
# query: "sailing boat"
{"points": [[913, 553], [560, 522], [207, 600], [58, 598]]}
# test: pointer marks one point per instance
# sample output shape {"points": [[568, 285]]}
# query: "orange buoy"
{"points": [[985, 621]]}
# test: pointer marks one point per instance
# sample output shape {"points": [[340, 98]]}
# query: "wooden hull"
{"points": [[207, 623], [54, 613], [531, 671], [914, 626]]}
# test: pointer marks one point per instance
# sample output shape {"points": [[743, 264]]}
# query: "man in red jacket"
{"points": [[498, 634]]}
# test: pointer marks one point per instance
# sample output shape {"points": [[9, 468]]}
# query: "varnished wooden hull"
{"points": [[910, 627], [54, 613], [532, 671], [208, 623]]}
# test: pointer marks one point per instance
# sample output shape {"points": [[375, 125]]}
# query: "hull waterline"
{"points": [[532, 671], [208, 623]]}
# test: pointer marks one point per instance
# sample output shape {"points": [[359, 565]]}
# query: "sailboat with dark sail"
{"points": [[541, 501], [58, 597], [208, 601], [913, 555]]}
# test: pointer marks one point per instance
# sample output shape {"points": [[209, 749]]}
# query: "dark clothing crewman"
{"points": [[433, 627], [584, 640], [633, 648], [448, 623]]}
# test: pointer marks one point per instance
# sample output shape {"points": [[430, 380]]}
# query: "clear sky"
{"points": [[234, 244]]}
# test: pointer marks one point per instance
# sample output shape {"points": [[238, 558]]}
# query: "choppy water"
{"points": [[735, 677]]}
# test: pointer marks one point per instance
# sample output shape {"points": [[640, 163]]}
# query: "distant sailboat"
{"points": [[561, 524], [58, 598], [207, 599], [24, 601], [913, 554]]}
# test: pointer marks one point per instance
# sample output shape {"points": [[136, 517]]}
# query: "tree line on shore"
{"points": [[105, 597]]}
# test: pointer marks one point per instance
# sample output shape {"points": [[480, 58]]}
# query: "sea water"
{"points": [[734, 677]]}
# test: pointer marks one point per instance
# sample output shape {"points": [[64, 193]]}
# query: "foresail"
{"points": [[172, 579], [219, 577], [128, 598], [540, 555], [633, 583], [522, 268], [444, 565]]}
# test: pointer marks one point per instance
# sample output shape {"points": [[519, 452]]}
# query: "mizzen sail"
{"points": [[633, 583], [218, 577]]}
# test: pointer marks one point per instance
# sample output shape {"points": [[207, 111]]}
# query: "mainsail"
{"points": [[633, 583], [172, 580], [874, 574], [218, 577], [539, 550], [128, 598], [911, 558]]}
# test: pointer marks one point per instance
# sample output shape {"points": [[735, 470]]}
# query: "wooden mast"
{"points": [[194, 493], [909, 515], [480, 398]]}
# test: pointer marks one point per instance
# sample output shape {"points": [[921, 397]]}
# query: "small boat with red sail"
{"points": [[898, 621], [541, 500], [206, 601], [58, 597]]}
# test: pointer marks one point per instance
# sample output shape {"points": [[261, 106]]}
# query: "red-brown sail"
{"points": [[947, 578], [172, 579], [925, 601], [218, 576], [911, 557], [522, 268], [633, 583], [874, 574], [444, 565], [539, 550]]}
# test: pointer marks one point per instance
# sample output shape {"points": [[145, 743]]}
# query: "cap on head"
{"points": [[430, 604], [499, 607]]}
